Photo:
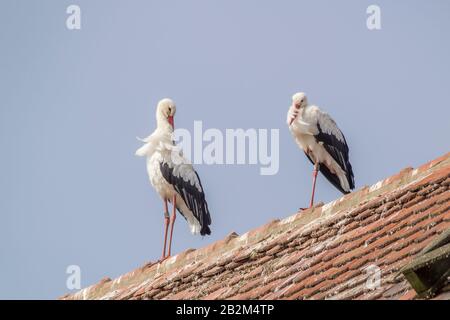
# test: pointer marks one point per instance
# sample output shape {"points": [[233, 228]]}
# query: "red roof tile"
{"points": [[321, 253]]}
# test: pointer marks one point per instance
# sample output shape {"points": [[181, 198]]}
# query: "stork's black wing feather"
{"points": [[193, 196], [333, 140]]}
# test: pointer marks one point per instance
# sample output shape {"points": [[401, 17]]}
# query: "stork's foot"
{"points": [[162, 259], [317, 205]]}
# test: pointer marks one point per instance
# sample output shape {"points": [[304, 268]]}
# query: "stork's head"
{"points": [[166, 111], [299, 102]]}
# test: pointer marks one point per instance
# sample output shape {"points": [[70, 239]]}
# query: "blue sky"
{"points": [[72, 103]]}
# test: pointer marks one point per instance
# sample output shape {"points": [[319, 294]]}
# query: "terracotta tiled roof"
{"points": [[330, 251]]}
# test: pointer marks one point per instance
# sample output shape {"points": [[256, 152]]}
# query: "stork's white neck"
{"points": [[294, 114], [162, 123]]}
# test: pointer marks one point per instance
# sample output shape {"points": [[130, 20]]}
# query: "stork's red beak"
{"points": [[292, 117], [170, 119]]}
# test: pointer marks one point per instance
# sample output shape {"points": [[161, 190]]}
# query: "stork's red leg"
{"points": [[316, 170], [174, 216], [166, 228]]}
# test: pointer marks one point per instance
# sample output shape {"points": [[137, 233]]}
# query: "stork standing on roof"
{"points": [[323, 143], [173, 177]]}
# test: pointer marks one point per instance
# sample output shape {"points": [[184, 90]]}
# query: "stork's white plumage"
{"points": [[323, 143], [173, 177]]}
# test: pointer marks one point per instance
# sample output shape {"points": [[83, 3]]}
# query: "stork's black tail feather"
{"points": [[205, 230], [334, 179]]}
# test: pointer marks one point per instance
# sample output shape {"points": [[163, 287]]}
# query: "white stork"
{"points": [[323, 143], [173, 176]]}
